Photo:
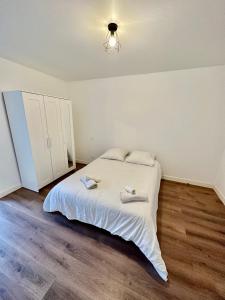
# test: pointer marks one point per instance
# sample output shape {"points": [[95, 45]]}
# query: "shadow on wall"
{"points": [[9, 175], [220, 179]]}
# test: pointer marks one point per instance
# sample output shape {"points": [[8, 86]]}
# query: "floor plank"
{"points": [[10, 290], [46, 256], [24, 271]]}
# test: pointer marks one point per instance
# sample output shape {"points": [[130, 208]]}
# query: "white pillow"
{"points": [[141, 158], [115, 154]]}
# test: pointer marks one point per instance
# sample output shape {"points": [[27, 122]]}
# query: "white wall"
{"points": [[220, 178], [14, 76], [179, 115]]}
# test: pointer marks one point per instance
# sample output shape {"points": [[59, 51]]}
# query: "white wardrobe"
{"points": [[43, 138]]}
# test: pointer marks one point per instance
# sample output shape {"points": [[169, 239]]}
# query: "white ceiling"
{"points": [[64, 37]]}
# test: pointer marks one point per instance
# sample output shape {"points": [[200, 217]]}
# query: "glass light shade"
{"points": [[112, 43]]}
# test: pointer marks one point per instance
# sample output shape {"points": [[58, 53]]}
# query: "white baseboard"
{"points": [[189, 181], [166, 177], [10, 190], [219, 194], [183, 180], [80, 161], [170, 178]]}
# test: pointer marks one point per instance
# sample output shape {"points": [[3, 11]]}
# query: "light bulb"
{"points": [[112, 41]]}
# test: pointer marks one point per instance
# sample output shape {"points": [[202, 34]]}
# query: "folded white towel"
{"points": [[88, 183], [126, 197], [130, 189], [92, 178]]}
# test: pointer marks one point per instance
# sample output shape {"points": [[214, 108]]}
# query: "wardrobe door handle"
{"points": [[48, 142]]}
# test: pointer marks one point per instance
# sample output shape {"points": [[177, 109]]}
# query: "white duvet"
{"points": [[102, 207]]}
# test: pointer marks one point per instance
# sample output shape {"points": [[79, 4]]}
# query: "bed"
{"points": [[102, 207]]}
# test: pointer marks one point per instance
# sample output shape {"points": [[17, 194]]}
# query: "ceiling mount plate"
{"points": [[112, 27]]}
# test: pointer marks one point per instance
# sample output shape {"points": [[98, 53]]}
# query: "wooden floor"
{"points": [[46, 256]]}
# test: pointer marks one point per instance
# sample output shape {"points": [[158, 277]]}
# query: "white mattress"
{"points": [[102, 206]]}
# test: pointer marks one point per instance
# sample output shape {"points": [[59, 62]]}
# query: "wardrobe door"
{"points": [[37, 128], [68, 133], [54, 125]]}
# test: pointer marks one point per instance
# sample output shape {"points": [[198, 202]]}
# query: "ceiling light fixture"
{"points": [[112, 43]]}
